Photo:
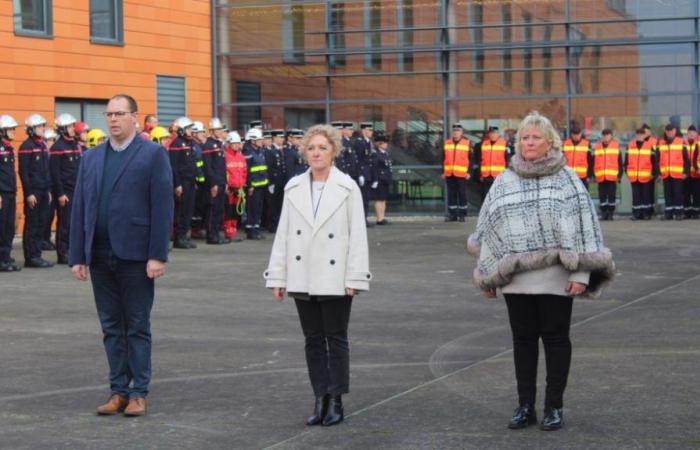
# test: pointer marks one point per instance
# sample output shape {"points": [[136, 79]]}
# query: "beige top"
{"points": [[551, 280]]}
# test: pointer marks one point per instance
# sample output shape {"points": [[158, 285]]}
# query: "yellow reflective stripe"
{"points": [[609, 151], [258, 168], [639, 152], [581, 170], [258, 183], [494, 168], [606, 172], [199, 163]]}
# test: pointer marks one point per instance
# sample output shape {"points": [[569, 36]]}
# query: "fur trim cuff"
{"points": [[473, 246]]}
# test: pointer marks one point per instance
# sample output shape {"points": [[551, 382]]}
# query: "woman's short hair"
{"points": [[537, 120], [325, 130]]}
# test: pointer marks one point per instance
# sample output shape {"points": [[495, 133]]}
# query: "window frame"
{"points": [[46, 33], [118, 25]]}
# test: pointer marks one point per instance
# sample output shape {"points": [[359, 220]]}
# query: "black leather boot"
{"points": [[320, 409], [522, 417], [334, 415], [553, 419]]}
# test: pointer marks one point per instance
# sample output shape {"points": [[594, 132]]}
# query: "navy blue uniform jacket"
{"points": [[140, 207]]}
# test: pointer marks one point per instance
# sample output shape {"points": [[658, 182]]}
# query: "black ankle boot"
{"points": [[320, 409], [553, 418], [334, 415], [522, 417]]}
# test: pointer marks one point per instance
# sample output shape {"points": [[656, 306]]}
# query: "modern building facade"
{"points": [[413, 67]]}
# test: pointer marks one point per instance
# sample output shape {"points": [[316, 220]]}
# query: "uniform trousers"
{"points": [[273, 208], [215, 214], [184, 209], [691, 197], [7, 224], [673, 197], [607, 191], [547, 317], [124, 298], [485, 187], [34, 224], [456, 197], [63, 226], [254, 209], [48, 221], [642, 199], [325, 326]]}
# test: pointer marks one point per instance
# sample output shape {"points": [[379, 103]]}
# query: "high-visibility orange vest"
{"points": [[577, 157], [639, 162], [456, 162], [606, 164], [671, 158], [493, 158], [691, 150]]}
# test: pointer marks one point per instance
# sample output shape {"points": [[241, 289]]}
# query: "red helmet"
{"points": [[81, 127]]}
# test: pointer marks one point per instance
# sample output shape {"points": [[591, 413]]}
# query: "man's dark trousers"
{"points": [[124, 297]]}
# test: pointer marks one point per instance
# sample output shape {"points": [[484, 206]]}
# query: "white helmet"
{"points": [[34, 120], [181, 123], [50, 134], [216, 124], [233, 137], [64, 120], [197, 127], [7, 122], [254, 134]]}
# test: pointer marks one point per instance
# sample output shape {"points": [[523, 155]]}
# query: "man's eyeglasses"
{"points": [[116, 114]]}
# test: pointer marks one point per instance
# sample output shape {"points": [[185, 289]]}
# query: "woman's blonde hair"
{"points": [[325, 130], [537, 120]]}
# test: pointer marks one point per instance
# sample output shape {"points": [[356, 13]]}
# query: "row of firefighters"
{"points": [[672, 158], [218, 178]]}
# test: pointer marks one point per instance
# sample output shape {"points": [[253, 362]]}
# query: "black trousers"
{"points": [[607, 191], [8, 212], [691, 197], [642, 199], [184, 209], [325, 327], [485, 187], [273, 208], [673, 197], [254, 209], [456, 197], [215, 214], [34, 224], [540, 316], [48, 221], [63, 226], [201, 207]]}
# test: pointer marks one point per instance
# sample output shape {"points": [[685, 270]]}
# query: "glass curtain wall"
{"points": [[414, 67]]}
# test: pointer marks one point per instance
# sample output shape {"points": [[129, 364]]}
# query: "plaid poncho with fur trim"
{"points": [[539, 214]]}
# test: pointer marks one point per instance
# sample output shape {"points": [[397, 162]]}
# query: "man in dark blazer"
{"points": [[122, 217]]}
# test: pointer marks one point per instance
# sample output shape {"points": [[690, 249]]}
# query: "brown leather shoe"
{"points": [[114, 405], [136, 407]]}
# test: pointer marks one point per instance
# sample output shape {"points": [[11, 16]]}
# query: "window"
{"points": [[106, 21], [88, 111], [373, 39], [170, 98], [527, 53], [476, 17], [293, 33], [337, 40], [404, 11], [247, 92], [547, 60], [595, 73], [32, 17], [507, 55]]}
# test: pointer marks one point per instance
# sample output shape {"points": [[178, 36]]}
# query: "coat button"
{"points": [[266, 274], [298, 257], [330, 236], [332, 261], [369, 276], [298, 231]]}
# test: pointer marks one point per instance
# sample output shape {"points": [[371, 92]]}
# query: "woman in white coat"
{"points": [[320, 258]]}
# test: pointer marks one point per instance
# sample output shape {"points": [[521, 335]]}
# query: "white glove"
{"points": [[375, 185], [271, 188], [361, 180]]}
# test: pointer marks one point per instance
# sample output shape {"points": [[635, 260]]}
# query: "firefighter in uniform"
{"points": [[257, 182], [64, 161], [346, 161], [640, 167], [215, 176], [95, 137], [691, 201], [8, 193], [82, 130], [579, 155], [277, 174], [608, 169], [381, 165], [201, 196], [455, 171], [293, 157], [35, 174], [674, 167], [236, 176], [184, 165], [492, 155], [149, 123], [363, 149]]}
